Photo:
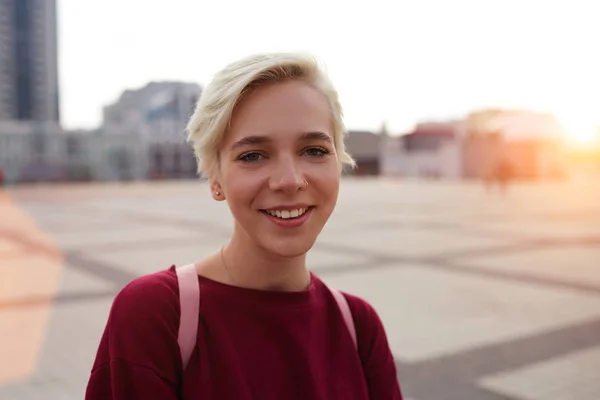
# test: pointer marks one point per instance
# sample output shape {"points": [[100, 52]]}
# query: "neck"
{"points": [[255, 268]]}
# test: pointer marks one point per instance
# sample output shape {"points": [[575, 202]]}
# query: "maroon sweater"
{"points": [[252, 344]]}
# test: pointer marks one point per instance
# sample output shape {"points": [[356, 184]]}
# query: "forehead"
{"points": [[282, 110]]}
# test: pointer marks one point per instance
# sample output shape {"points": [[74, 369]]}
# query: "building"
{"points": [[171, 161], [158, 112], [525, 145], [488, 144], [45, 153], [432, 151], [28, 61], [527, 158], [364, 147]]}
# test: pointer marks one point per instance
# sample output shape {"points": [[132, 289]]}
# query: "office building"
{"points": [[28, 61], [159, 111]]}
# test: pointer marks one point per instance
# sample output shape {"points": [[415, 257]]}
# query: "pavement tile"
{"points": [[571, 264], [572, 377], [153, 258], [413, 242], [120, 234]]}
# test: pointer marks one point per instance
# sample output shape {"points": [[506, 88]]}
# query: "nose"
{"points": [[286, 176]]}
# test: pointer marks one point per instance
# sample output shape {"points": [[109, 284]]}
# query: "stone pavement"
{"points": [[484, 297]]}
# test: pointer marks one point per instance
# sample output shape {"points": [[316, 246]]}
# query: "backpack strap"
{"points": [[346, 313], [189, 305]]}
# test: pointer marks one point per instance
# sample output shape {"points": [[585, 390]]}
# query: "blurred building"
{"points": [[484, 156], [517, 144], [432, 150], [527, 146], [364, 146], [171, 161], [157, 112], [28, 61], [45, 153]]}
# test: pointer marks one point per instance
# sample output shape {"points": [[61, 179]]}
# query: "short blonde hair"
{"points": [[211, 118]]}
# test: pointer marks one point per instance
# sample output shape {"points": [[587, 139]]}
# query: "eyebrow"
{"points": [[307, 136]]}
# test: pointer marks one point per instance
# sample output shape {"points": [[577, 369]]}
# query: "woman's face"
{"points": [[279, 170]]}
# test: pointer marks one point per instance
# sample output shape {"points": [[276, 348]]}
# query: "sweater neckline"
{"points": [[265, 296]]}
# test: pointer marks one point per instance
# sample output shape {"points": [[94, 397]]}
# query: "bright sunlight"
{"points": [[580, 131]]}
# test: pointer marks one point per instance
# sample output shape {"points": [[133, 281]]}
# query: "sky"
{"points": [[393, 61]]}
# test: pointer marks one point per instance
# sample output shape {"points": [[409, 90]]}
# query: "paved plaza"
{"points": [[484, 296]]}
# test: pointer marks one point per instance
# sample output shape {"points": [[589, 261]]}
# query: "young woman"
{"points": [[268, 134]]}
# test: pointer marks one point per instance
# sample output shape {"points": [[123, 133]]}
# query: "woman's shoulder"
{"points": [[367, 322], [362, 310], [147, 298], [373, 344], [363, 313], [158, 285], [142, 326]]}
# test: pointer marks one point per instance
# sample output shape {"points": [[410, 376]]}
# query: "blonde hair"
{"points": [[209, 123]]}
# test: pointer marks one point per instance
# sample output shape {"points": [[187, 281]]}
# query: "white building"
{"points": [[432, 150], [28, 61], [158, 111], [526, 145]]}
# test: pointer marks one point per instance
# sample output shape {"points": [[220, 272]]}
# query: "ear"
{"points": [[217, 191]]}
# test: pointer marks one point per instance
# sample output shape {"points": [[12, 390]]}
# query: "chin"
{"points": [[289, 247]]}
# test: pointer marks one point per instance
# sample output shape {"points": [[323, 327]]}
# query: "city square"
{"points": [[484, 295]]}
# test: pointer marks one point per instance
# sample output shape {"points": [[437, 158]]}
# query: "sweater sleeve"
{"points": [[374, 350], [138, 356]]}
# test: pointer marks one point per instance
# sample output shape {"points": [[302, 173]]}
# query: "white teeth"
{"points": [[287, 214]]}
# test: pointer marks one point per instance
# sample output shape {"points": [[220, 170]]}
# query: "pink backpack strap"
{"points": [[189, 304], [346, 313]]}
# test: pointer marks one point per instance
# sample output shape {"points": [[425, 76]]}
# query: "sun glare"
{"points": [[583, 136], [581, 132]]}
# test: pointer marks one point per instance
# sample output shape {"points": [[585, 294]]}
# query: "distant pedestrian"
{"points": [[504, 173], [499, 175], [250, 321]]}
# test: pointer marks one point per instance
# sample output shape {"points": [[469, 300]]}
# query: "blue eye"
{"points": [[316, 152], [250, 157]]}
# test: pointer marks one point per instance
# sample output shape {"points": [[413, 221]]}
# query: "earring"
{"points": [[217, 193]]}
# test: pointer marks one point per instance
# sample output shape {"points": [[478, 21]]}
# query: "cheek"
{"points": [[328, 181], [240, 190]]}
